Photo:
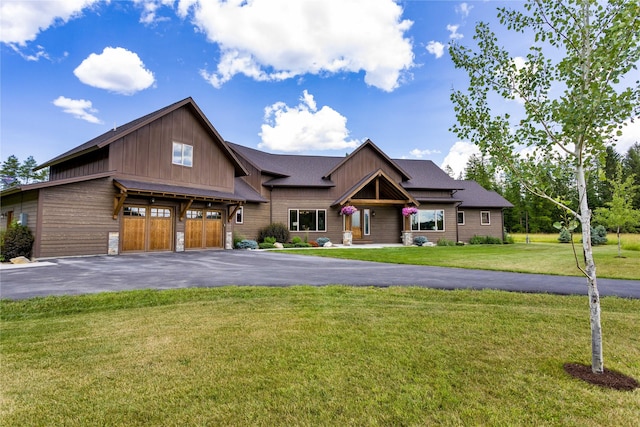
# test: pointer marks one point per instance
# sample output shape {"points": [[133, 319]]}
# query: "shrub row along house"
{"points": [[169, 182]]}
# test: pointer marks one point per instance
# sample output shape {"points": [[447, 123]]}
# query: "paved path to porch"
{"points": [[72, 276]]}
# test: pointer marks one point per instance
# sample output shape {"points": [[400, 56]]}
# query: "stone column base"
{"points": [[347, 238], [407, 238]]}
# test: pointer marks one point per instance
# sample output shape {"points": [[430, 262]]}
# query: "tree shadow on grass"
{"points": [[608, 379]]}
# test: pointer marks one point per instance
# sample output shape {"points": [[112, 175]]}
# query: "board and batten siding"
{"points": [[76, 219], [148, 152], [87, 164], [359, 165]]}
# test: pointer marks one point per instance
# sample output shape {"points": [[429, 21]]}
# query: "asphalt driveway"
{"points": [[72, 276]]}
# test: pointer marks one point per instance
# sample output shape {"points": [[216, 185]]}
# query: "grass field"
{"points": [[536, 257], [312, 356], [628, 241]]}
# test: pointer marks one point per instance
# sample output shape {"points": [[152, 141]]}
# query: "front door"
{"points": [[361, 224], [356, 226]]}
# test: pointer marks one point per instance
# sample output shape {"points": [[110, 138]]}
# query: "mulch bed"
{"points": [[609, 379]]}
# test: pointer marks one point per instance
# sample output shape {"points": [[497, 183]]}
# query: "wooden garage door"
{"points": [[146, 229], [203, 229]]}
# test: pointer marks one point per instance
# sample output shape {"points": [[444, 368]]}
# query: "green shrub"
{"points": [[445, 242], [485, 240], [508, 239], [237, 238], [598, 235], [266, 245], [247, 244], [275, 229], [296, 240], [565, 236], [18, 241], [420, 240], [322, 241], [270, 240]]}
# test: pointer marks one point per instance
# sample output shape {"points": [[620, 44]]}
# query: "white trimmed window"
{"points": [[240, 215], [182, 154], [307, 220], [428, 220], [460, 217], [485, 218]]}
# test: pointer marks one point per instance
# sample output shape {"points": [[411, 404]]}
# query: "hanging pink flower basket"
{"points": [[348, 210], [409, 211]]}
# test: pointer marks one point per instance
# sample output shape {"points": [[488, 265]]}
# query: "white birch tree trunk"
{"points": [[597, 362]]}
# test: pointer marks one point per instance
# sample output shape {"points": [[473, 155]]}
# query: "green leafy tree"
{"points": [[9, 172], [574, 95], [619, 213], [14, 173], [480, 170], [631, 166]]}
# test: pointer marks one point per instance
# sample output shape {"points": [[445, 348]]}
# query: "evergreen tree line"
{"points": [[14, 173], [537, 214]]}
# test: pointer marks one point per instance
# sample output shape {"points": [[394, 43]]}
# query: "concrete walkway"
{"points": [[73, 276]]}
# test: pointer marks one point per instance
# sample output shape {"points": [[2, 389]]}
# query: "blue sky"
{"points": [[284, 76]]}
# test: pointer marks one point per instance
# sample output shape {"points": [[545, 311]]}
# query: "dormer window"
{"points": [[182, 154]]}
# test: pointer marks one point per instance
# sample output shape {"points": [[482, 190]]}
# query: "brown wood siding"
{"points": [[473, 227], [420, 194], [88, 164], [25, 202], [147, 153], [256, 216], [77, 218], [450, 223], [358, 166]]}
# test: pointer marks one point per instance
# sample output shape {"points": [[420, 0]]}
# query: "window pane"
{"points": [[187, 155], [427, 220], [414, 222], [366, 222], [322, 223], [460, 217], [439, 220], [307, 220], [214, 215], [239, 214], [177, 153], [293, 220]]}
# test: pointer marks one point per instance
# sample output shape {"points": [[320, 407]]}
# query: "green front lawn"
{"points": [[311, 356], [544, 258]]}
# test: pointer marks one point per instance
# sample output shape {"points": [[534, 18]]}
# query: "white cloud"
{"points": [[453, 32], [304, 127], [78, 108], [22, 21], [150, 10], [435, 48], [116, 70], [463, 9], [419, 154], [272, 40], [630, 135], [458, 156]]}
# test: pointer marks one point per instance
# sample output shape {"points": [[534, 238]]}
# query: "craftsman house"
{"points": [[169, 182]]}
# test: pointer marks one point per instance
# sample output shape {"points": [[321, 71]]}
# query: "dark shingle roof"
{"points": [[474, 195], [289, 170], [426, 175], [153, 188]]}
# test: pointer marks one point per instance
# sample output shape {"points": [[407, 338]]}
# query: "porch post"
{"points": [[407, 235], [347, 235]]}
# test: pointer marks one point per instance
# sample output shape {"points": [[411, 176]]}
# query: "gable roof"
{"points": [[121, 131], [474, 195], [369, 144], [400, 194]]}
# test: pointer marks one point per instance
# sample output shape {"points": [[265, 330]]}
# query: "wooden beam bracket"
{"points": [[183, 209], [118, 202]]}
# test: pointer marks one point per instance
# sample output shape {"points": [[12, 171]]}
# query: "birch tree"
{"points": [[567, 100]]}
